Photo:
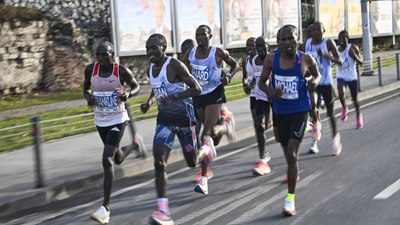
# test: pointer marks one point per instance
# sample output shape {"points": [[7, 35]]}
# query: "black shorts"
{"points": [[112, 135], [262, 108], [326, 91], [353, 85], [253, 103], [215, 97], [291, 126]]}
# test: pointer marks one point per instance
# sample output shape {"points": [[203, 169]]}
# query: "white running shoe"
{"points": [[161, 218], [230, 124], [101, 215], [313, 147], [336, 145], [202, 186], [289, 208]]}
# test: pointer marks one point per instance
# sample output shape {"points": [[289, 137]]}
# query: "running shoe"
{"points": [[344, 117], [261, 168], [360, 122], [336, 145], [207, 150], [316, 130], [202, 186], [289, 208], [313, 149], [209, 175], [101, 215], [161, 218], [230, 124]]}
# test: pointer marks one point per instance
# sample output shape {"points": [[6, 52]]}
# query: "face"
{"points": [[250, 47], [317, 32], [343, 40], [203, 37], [288, 43], [261, 48], [154, 49], [104, 54]]}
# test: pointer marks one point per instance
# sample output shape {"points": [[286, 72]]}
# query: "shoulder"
{"points": [[123, 69], [89, 68], [306, 57]]}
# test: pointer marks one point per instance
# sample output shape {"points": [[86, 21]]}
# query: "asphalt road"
{"points": [[359, 187]]}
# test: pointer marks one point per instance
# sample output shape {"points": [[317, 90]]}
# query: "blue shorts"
{"points": [[165, 135]]}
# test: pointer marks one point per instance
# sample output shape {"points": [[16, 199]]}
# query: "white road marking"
{"points": [[389, 191]]}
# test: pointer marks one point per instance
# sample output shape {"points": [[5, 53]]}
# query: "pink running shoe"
{"points": [[360, 122], [162, 218], [344, 117]]}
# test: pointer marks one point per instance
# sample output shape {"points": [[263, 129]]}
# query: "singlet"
{"points": [[347, 71], [181, 112], [258, 93], [206, 71], [323, 63], [295, 94], [109, 110], [250, 69]]}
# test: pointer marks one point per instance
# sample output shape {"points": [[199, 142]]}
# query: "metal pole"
{"points": [[379, 70], [366, 39], [36, 133], [397, 66], [358, 76]]}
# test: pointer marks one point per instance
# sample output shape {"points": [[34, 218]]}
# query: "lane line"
{"points": [[389, 191]]}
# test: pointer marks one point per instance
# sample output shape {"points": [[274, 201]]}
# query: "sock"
{"points": [[290, 197], [162, 204]]}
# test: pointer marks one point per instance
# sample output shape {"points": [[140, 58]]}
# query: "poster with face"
{"points": [[243, 19], [279, 13], [381, 17], [192, 13], [354, 18], [396, 17], [137, 20], [332, 16]]}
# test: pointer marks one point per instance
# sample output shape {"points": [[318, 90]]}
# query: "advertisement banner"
{"points": [[354, 18], [396, 17], [192, 13], [243, 19], [138, 19], [279, 13], [381, 17], [331, 15]]}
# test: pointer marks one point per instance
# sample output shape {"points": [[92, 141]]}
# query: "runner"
{"points": [[205, 64], [185, 46], [248, 75], [103, 88], [325, 52], [292, 70], [346, 75], [262, 109], [172, 87]]}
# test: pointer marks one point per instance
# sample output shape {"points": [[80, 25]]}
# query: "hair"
{"points": [[262, 39], [205, 26], [290, 27], [187, 44], [320, 24], [161, 38], [109, 45], [346, 34]]}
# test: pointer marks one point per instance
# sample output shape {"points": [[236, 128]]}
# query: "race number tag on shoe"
{"points": [[106, 101]]}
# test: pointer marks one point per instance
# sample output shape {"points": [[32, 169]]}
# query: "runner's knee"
{"points": [[108, 156]]}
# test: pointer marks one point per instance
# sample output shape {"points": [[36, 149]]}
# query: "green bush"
{"points": [[8, 13]]}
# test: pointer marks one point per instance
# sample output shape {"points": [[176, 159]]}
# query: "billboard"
{"points": [[243, 19], [354, 22], [279, 13], [136, 20], [381, 17], [396, 17], [192, 13], [332, 16]]}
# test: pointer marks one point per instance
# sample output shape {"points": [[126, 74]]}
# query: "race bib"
{"points": [[106, 101], [288, 84], [201, 73]]}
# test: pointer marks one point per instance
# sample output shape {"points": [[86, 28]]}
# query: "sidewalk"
{"points": [[73, 164]]}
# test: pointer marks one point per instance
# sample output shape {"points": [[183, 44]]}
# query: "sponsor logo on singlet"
{"points": [[288, 84], [106, 101], [201, 73], [160, 91]]}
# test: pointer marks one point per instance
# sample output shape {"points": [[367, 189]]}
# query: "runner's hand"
{"points": [[144, 107]]}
